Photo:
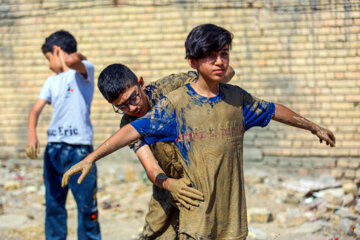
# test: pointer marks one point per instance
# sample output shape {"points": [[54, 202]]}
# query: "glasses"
{"points": [[124, 108]]}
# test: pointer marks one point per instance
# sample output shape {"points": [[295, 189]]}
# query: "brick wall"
{"points": [[303, 54]]}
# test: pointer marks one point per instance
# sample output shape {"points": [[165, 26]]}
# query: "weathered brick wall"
{"points": [[300, 53]]}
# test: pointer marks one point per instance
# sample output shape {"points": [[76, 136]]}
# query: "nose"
{"points": [[219, 60], [131, 108]]}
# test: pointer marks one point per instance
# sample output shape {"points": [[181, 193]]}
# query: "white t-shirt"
{"points": [[70, 94]]}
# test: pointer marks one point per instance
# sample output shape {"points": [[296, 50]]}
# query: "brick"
{"points": [[338, 173], [273, 161], [343, 162], [357, 174], [350, 174], [259, 215], [350, 188]]}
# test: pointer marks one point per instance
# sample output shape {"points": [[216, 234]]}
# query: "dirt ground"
{"points": [[124, 192]]}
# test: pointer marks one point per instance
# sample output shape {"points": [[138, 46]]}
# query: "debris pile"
{"points": [[281, 205], [301, 207]]}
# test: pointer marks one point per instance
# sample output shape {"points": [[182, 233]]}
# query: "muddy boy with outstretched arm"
{"points": [[206, 121], [131, 99]]}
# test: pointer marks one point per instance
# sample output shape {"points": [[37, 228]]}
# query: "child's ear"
{"points": [[141, 82], [193, 63]]}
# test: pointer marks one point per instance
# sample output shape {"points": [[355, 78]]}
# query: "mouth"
{"points": [[138, 111], [218, 71]]}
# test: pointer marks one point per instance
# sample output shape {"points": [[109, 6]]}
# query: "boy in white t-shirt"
{"points": [[70, 92]]}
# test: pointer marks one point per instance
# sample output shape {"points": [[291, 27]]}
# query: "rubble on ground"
{"points": [[307, 207], [281, 205]]}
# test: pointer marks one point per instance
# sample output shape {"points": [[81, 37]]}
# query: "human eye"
{"points": [[122, 108], [212, 55], [133, 99], [224, 54]]}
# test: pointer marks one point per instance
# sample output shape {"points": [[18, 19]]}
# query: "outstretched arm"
{"points": [[120, 139], [180, 189], [285, 115]]}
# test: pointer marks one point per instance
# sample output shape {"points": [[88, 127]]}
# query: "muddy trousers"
{"points": [[184, 236], [58, 158], [162, 219]]}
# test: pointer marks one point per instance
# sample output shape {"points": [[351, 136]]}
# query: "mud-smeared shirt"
{"points": [[155, 91], [164, 152], [208, 133]]}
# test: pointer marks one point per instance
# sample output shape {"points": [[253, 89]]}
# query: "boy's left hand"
{"points": [[325, 135], [74, 58], [73, 61], [81, 57], [182, 192]]}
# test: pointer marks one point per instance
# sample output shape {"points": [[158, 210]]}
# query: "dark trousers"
{"points": [[58, 158]]}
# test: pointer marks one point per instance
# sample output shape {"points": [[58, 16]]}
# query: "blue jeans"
{"points": [[58, 158]]}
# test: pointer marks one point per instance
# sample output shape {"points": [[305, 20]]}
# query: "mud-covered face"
{"points": [[133, 101]]}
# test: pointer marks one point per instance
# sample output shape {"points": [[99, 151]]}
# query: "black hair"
{"points": [[114, 80], [62, 39], [206, 38]]}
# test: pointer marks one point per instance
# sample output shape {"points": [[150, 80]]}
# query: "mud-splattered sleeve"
{"points": [[256, 112], [156, 90], [137, 144], [158, 125]]}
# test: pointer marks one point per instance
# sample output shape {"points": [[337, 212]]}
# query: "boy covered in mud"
{"points": [[206, 121], [129, 96]]}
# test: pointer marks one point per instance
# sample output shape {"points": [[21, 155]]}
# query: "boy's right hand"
{"points": [[32, 151], [183, 193], [32, 148], [83, 166]]}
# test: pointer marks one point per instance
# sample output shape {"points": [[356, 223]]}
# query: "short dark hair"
{"points": [[62, 39], [206, 38], [114, 80]]}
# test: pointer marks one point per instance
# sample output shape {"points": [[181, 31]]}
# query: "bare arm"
{"points": [[228, 75], [120, 139], [33, 144], [152, 168], [73, 61], [180, 189], [285, 115]]}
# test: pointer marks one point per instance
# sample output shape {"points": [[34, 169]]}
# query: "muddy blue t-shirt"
{"points": [[70, 94], [208, 133], [161, 123]]}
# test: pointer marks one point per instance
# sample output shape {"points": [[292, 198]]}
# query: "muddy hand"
{"points": [[84, 167], [325, 135], [182, 192], [32, 151]]}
